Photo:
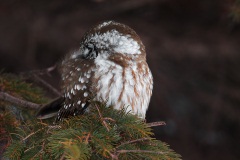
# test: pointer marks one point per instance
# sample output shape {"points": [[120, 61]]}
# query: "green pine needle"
{"points": [[100, 133], [103, 133]]}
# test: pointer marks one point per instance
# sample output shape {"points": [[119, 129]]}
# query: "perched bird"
{"points": [[109, 65]]}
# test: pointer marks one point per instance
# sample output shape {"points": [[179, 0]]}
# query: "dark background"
{"points": [[192, 49]]}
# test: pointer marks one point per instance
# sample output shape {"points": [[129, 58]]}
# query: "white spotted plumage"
{"points": [[109, 65]]}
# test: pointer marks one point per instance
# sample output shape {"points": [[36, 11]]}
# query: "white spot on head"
{"points": [[104, 24], [79, 102]]}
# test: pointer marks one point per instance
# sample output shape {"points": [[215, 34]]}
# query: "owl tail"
{"points": [[51, 109]]}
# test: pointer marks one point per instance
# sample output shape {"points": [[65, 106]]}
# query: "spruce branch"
{"points": [[102, 133], [19, 102], [35, 76], [47, 85]]}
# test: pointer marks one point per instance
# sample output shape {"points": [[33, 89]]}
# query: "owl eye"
{"points": [[90, 51]]}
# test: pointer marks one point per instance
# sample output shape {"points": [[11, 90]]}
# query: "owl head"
{"points": [[110, 39]]}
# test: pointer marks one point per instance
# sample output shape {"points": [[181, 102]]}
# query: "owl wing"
{"points": [[77, 76]]}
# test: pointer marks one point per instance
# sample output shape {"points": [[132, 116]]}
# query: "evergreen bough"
{"points": [[100, 133]]}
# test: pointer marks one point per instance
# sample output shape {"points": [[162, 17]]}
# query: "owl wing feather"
{"points": [[77, 77]]}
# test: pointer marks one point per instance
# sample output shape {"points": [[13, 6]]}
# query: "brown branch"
{"points": [[34, 75], [17, 101], [154, 124], [47, 85]]}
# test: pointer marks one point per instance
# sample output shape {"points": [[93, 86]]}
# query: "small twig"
{"points": [[6, 97], [133, 141], [114, 156], [34, 75], [16, 134], [103, 121], [154, 124], [53, 127], [43, 144], [87, 138], [138, 151], [110, 119], [37, 154], [41, 71], [63, 156], [47, 85], [29, 149], [32, 134]]}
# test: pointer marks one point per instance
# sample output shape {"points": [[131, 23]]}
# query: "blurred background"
{"points": [[193, 50]]}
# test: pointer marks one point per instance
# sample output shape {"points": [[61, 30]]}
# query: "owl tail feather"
{"points": [[50, 109]]}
